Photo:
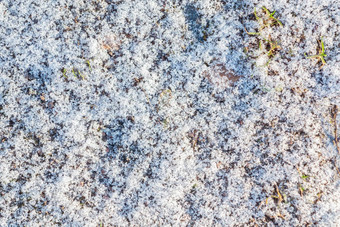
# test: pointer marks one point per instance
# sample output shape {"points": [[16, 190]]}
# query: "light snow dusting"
{"points": [[169, 113]]}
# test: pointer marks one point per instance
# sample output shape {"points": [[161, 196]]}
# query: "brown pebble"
{"points": [[220, 76]]}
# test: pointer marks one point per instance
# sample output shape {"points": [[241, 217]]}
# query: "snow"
{"points": [[168, 113]]}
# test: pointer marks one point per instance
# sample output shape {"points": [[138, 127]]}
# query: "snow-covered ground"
{"points": [[167, 113]]}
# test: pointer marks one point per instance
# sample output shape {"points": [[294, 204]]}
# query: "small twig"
{"points": [[337, 169], [299, 171], [195, 139], [265, 202], [335, 111], [281, 216], [301, 189], [279, 194], [146, 95]]}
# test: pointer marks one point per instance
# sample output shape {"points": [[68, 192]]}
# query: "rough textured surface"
{"points": [[166, 113]]}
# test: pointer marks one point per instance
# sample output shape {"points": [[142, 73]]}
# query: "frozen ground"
{"points": [[170, 114]]}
